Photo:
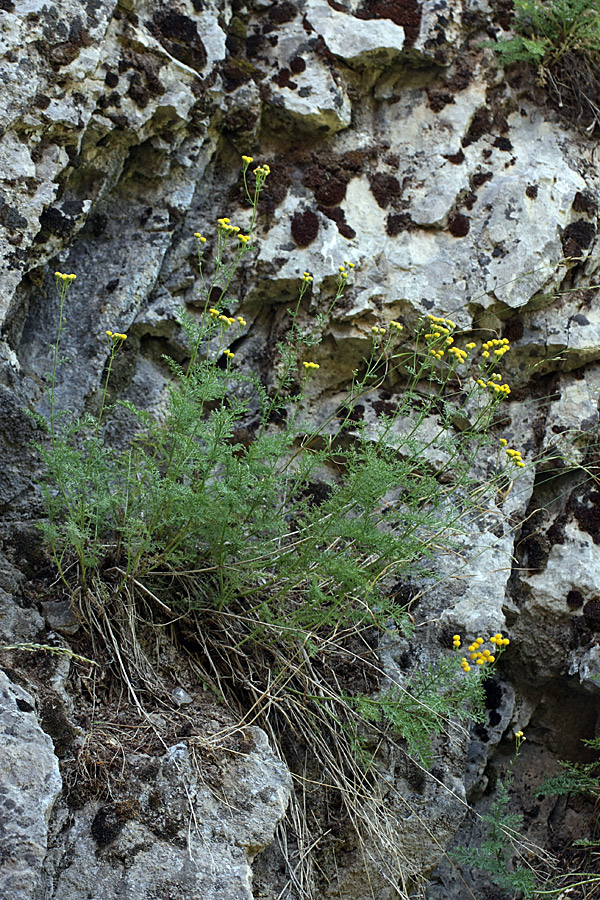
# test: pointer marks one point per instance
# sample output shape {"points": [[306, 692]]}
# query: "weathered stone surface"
{"points": [[29, 785], [374, 42], [186, 840]]}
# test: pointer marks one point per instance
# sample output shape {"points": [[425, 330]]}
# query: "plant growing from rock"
{"points": [[561, 40], [277, 553], [496, 852]]}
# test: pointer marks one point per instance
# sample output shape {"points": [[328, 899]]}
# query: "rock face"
{"points": [[30, 782], [395, 142], [184, 840]]}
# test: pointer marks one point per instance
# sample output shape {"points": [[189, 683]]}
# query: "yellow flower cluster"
{"points": [[377, 330], [262, 171], [471, 345], [476, 654], [243, 238], [310, 365], [241, 320], [480, 657], [226, 320], [440, 336], [200, 237], [492, 383], [499, 640], [519, 736], [228, 354], [247, 160], [498, 346], [439, 321], [397, 325], [213, 312], [515, 457], [307, 278], [225, 227], [459, 355], [65, 278], [116, 336]]}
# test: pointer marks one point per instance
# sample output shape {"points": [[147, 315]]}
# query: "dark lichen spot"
{"points": [[281, 13], [591, 614], [331, 191], [238, 71], [480, 178], [438, 98], [585, 203], [297, 65], [531, 191], [458, 225], [479, 126], [384, 188], [305, 227], [179, 36], [23, 705], [10, 217], [503, 144], [577, 236], [575, 599], [455, 158], [52, 221], [283, 79], [337, 215], [41, 101], [107, 825], [398, 222], [111, 79]]}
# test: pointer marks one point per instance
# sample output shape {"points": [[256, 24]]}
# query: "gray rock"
{"points": [[187, 839], [29, 785]]}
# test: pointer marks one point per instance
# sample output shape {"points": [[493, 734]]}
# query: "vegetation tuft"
{"points": [[273, 546], [560, 39]]}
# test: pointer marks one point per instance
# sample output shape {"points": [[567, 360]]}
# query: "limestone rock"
{"points": [[372, 42], [29, 785], [187, 839]]}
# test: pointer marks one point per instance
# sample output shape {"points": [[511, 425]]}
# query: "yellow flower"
{"points": [[200, 237], [247, 160], [65, 278], [397, 325], [241, 320], [109, 334], [485, 354], [519, 734], [213, 312], [243, 238], [307, 277], [310, 365], [229, 354]]}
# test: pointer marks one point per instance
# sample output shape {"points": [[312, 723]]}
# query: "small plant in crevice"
{"points": [[281, 592], [496, 853], [582, 875], [560, 39]]}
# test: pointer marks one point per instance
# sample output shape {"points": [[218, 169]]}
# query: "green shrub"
{"points": [[279, 553]]}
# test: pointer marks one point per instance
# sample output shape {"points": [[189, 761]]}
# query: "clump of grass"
{"points": [[560, 39], [278, 588]]}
